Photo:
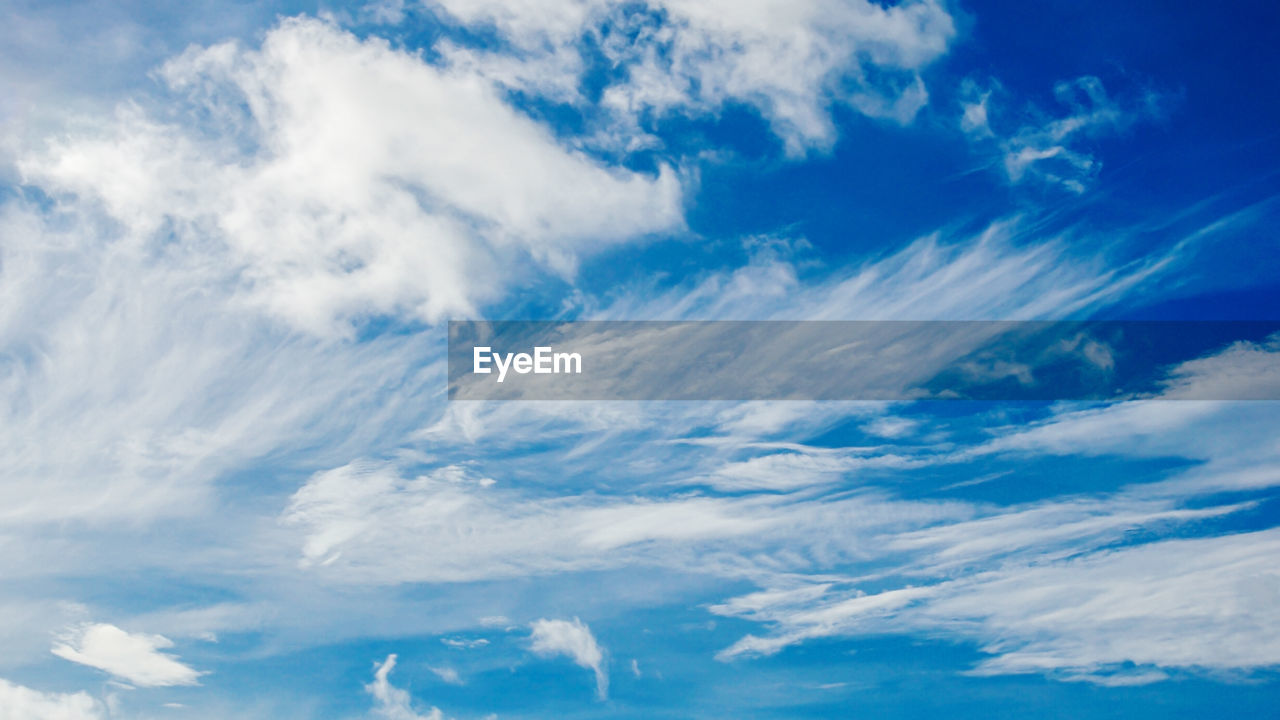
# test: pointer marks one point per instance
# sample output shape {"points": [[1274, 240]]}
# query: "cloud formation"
{"points": [[133, 657], [23, 703], [391, 702], [1046, 148], [339, 178], [790, 60], [1096, 588], [209, 312], [572, 639], [929, 560], [1205, 603]]}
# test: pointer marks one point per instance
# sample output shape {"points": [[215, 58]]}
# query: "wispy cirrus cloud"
{"points": [[136, 382], [814, 551], [1196, 604], [1036, 145], [1063, 586]]}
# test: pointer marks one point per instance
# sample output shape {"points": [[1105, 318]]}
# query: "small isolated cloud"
{"points": [[391, 702], [890, 427], [448, 675], [1050, 149], [135, 658], [574, 640], [464, 643], [22, 703]]}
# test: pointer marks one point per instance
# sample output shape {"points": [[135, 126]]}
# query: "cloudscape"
{"points": [[426, 359]]}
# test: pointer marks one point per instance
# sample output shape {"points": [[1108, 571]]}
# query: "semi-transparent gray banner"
{"points": [[863, 360]]}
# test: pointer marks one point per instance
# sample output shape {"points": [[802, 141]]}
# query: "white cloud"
{"points": [[464, 643], [1060, 586], [377, 522], [44, 48], [1241, 371], [1037, 533], [574, 640], [205, 623], [371, 520], [134, 657], [891, 427], [358, 180], [447, 674], [390, 12], [1049, 149], [801, 617], [1054, 586], [1007, 271], [365, 520], [22, 703], [26, 622], [804, 469], [789, 59], [136, 380], [799, 547], [391, 702], [341, 178], [1230, 438], [131, 339], [1206, 603]]}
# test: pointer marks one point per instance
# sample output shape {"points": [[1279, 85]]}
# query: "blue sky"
{"points": [[231, 237]]}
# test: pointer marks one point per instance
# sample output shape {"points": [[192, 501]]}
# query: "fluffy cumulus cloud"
{"points": [[133, 657], [790, 60], [571, 639], [22, 703], [340, 178]]}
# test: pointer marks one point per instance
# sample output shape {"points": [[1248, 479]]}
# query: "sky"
{"points": [[232, 236]]}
